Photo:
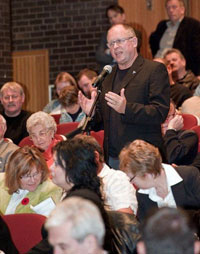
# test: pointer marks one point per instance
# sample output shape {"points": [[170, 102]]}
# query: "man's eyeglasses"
{"points": [[118, 42]]}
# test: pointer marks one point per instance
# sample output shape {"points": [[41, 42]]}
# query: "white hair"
{"points": [[41, 118], [84, 216]]}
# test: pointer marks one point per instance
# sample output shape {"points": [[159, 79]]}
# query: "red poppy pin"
{"points": [[25, 201]]}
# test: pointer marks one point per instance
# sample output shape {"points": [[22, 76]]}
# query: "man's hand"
{"points": [[85, 103], [176, 123], [117, 102]]}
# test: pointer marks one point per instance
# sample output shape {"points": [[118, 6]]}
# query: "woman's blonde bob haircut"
{"points": [[21, 162]]}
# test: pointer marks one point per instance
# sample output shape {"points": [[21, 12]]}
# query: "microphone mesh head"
{"points": [[108, 68]]}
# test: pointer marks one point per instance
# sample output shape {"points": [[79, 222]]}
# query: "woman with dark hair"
{"points": [[70, 109], [71, 169], [75, 170]]}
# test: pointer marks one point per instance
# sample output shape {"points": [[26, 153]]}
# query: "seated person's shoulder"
{"points": [[52, 105], [188, 172]]}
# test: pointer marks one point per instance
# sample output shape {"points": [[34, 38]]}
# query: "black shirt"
{"points": [[16, 126]]}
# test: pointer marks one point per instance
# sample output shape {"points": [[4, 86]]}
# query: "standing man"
{"points": [[12, 98], [178, 32], [116, 15], [76, 227], [134, 99]]}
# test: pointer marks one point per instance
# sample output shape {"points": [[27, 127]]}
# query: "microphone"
{"points": [[106, 70]]}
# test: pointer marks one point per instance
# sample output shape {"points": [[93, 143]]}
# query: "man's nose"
{"points": [[10, 98]]}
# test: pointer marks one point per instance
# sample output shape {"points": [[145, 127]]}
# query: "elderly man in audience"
{"points": [[12, 98], [42, 129], [178, 92], [76, 227], [181, 145], [86, 78], [179, 32], [159, 184], [25, 187], [63, 79], [168, 230], [179, 73], [118, 192], [6, 145]]}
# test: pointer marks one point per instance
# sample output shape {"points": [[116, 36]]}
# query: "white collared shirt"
{"points": [[117, 190], [16, 198], [172, 178]]}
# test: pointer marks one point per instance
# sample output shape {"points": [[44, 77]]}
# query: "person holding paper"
{"points": [[25, 186]]}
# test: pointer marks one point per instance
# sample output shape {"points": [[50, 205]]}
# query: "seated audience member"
{"points": [[25, 187], [6, 244], [71, 172], [192, 106], [115, 15], [85, 79], [168, 230], [6, 145], [63, 79], [159, 184], [181, 145], [70, 108], [179, 73], [117, 191], [76, 227], [178, 92], [12, 98], [42, 129], [180, 32]]}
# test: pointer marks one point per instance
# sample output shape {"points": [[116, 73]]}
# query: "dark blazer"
{"points": [[147, 92], [186, 40], [181, 146], [186, 193]]}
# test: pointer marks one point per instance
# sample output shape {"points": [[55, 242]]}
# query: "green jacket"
{"points": [[44, 191]]}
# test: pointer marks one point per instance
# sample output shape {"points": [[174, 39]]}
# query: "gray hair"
{"points": [[41, 118], [12, 86], [84, 216]]}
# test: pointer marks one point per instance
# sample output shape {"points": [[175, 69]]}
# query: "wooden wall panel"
{"points": [[194, 8], [31, 69]]}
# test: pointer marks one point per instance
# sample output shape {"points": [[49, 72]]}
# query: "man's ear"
{"points": [[23, 98], [90, 243], [141, 249], [196, 247]]}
